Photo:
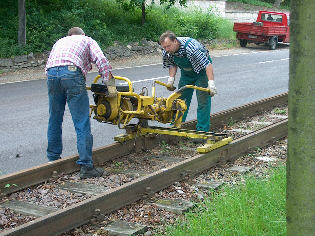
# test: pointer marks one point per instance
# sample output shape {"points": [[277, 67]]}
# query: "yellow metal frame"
{"points": [[151, 103], [145, 103], [147, 100], [211, 146], [177, 132], [213, 141], [198, 88]]}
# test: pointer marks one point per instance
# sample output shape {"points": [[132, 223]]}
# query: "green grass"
{"points": [[255, 208], [165, 147], [267, 3], [253, 2], [279, 111]]}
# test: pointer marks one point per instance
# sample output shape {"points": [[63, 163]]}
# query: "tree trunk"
{"points": [[22, 23], [143, 12], [277, 3], [301, 127]]}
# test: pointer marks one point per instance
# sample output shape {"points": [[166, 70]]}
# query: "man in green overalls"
{"points": [[196, 69]]}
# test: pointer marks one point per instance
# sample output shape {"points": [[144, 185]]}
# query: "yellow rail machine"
{"points": [[121, 107]]}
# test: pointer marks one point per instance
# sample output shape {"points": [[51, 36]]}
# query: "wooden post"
{"points": [[143, 12], [22, 23], [277, 3]]}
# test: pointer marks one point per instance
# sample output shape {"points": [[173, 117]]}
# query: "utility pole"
{"points": [[277, 3], [301, 132], [22, 23]]}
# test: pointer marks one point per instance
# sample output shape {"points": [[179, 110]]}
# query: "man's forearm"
{"points": [[211, 85], [172, 71], [209, 72]]}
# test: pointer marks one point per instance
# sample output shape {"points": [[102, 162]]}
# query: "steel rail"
{"points": [[78, 214], [39, 174]]}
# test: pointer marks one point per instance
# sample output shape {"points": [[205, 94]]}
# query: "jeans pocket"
{"points": [[52, 73], [53, 85], [74, 84]]}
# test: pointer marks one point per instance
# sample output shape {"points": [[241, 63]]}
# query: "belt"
{"points": [[69, 67]]}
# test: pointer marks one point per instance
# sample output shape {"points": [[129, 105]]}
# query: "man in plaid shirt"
{"points": [[196, 69], [66, 69]]}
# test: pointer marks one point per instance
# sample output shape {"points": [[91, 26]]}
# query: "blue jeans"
{"points": [[66, 86]]}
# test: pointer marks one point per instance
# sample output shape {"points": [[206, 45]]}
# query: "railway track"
{"points": [[135, 170]]}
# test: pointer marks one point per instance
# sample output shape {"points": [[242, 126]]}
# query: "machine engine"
{"points": [[125, 105]]}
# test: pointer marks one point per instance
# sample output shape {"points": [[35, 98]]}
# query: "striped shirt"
{"points": [[81, 51], [195, 52]]}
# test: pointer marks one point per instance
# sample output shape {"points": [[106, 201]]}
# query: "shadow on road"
{"points": [[263, 47]]}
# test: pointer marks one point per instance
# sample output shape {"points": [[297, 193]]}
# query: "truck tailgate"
{"points": [[250, 28]]}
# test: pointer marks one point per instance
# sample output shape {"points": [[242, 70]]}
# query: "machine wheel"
{"points": [[125, 105], [243, 43], [273, 43], [103, 109]]}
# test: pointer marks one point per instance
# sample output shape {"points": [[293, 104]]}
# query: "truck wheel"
{"points": [[243, 43], [273, 43]]}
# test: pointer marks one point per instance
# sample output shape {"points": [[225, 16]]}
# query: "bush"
{"points": [[197, 24]]}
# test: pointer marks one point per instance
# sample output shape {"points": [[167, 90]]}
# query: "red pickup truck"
{"points": [[269, 28]]}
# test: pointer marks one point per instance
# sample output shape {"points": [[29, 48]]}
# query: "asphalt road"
{"points": [[240, 79]]}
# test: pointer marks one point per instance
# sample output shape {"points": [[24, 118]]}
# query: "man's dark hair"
{"points": [[168, 34], [75, 31]]}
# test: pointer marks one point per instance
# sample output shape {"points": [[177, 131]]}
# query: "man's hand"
{"points": [[111, 86], [211, 86], [170, 83]]}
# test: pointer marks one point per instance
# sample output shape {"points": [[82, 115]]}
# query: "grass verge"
{"points": [[256, 207], [264, 3]]}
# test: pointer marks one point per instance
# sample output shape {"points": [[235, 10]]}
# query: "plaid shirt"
{"points": [[81, 51], [196, 53]]}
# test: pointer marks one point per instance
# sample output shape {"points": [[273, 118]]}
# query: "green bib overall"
{"points": [[189, 76]]}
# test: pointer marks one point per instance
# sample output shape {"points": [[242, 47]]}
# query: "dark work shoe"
{"points": [[90, 172]]}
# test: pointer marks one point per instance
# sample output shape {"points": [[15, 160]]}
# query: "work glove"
{"points": [[211, 86], [170, 83], [111, 87]]}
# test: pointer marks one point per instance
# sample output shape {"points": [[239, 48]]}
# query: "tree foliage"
{"points": [[130, 4]]}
